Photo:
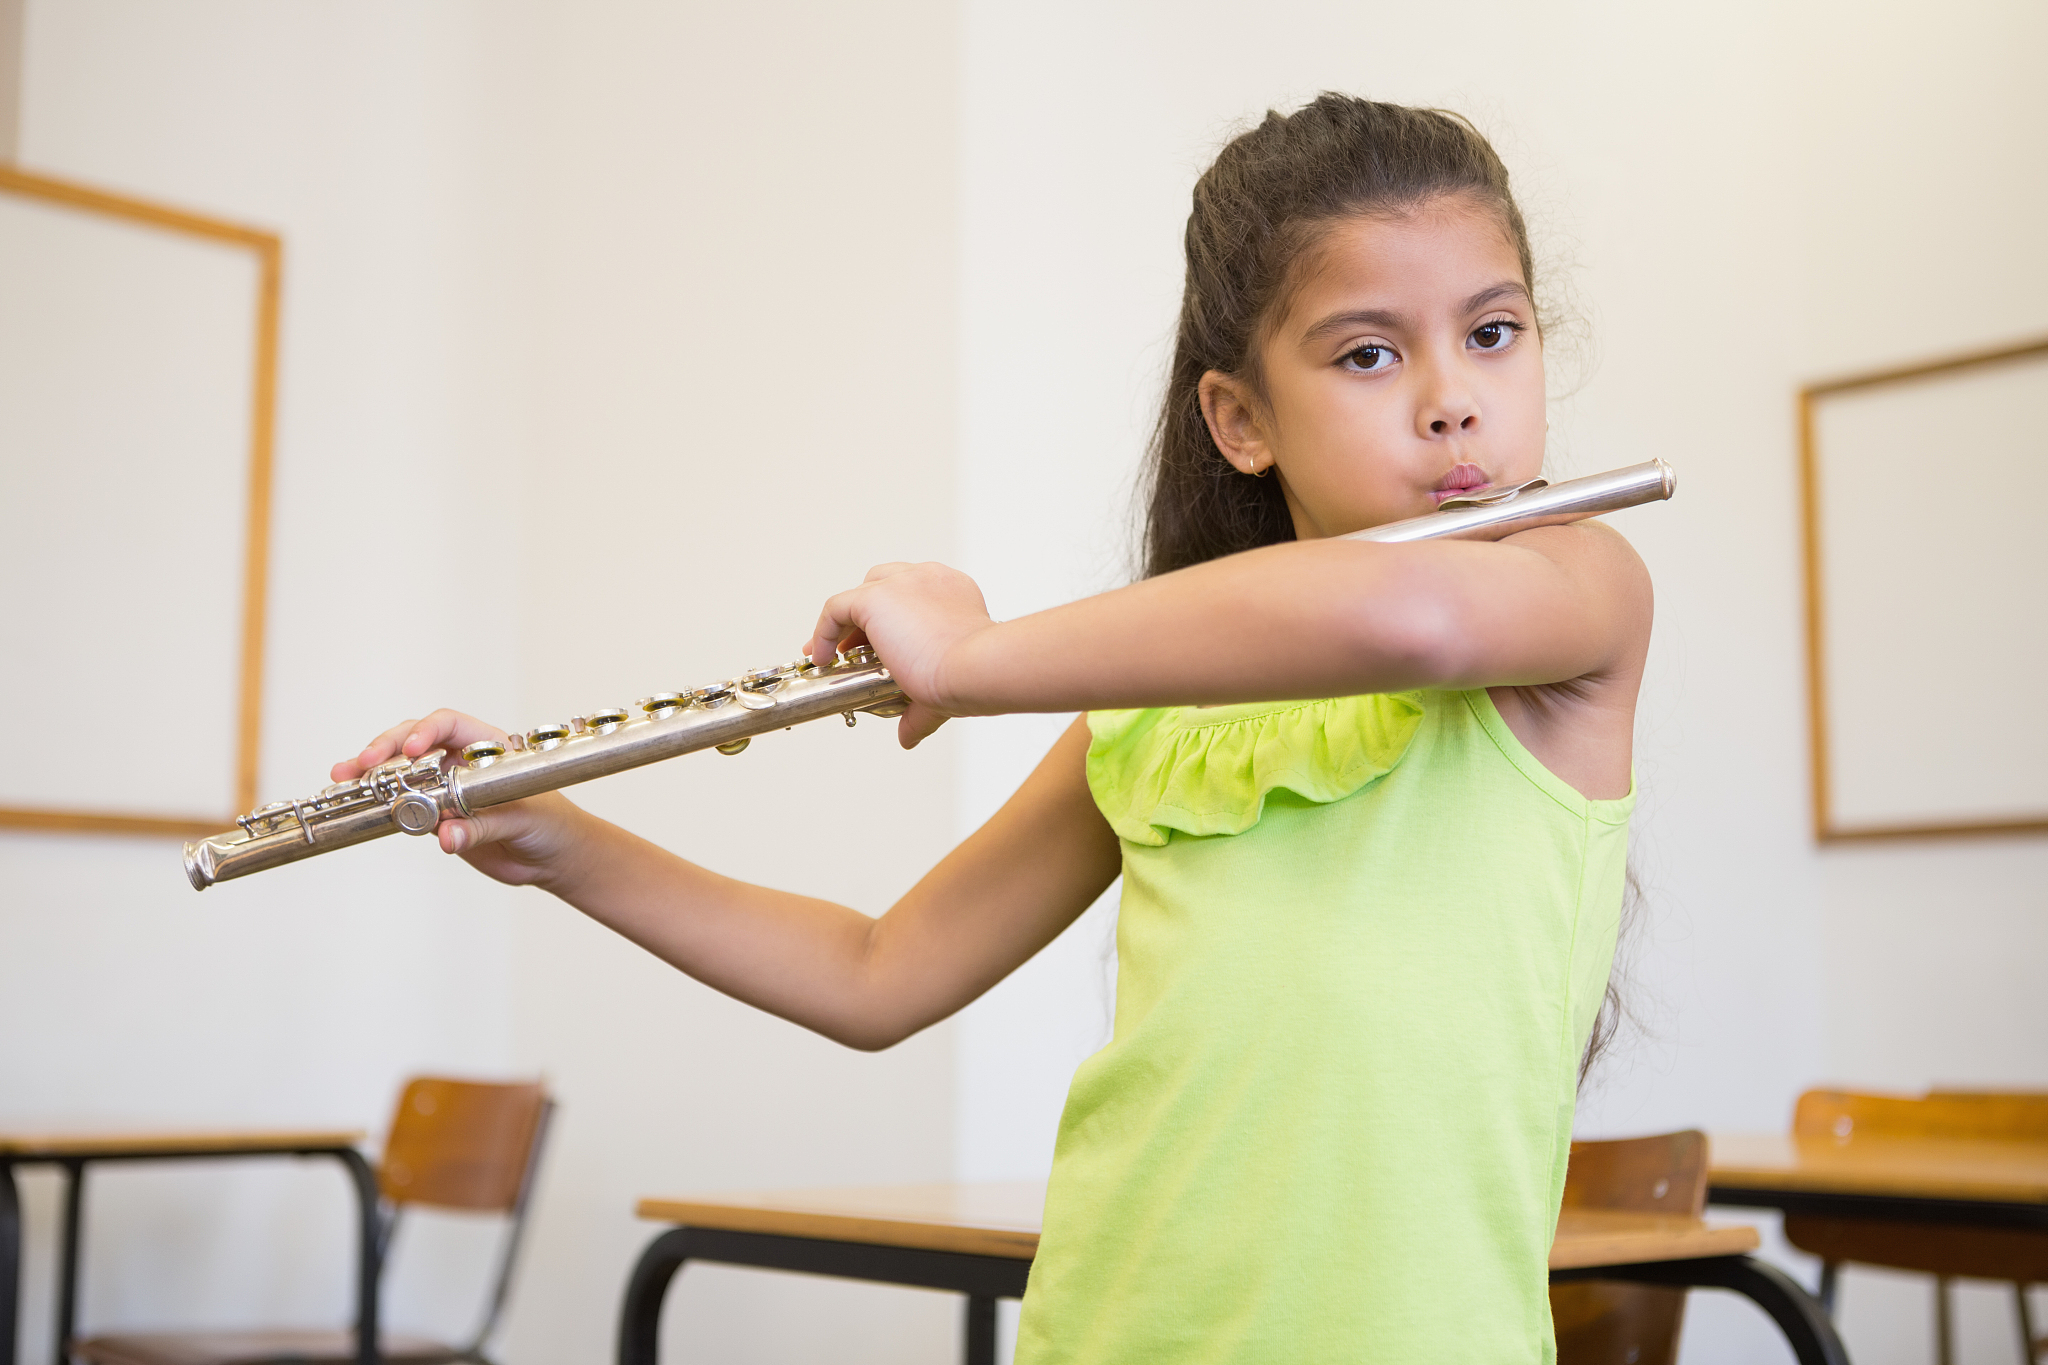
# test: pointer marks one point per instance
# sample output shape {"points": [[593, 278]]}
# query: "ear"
{"points": [[1236, 421]]}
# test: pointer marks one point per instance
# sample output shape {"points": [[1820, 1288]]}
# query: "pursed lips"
{"points": [[1463, 478]]}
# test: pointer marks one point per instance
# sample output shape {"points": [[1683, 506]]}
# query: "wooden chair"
{"points": [[1945, 1252], [1604, 1322], [452, 1145]]}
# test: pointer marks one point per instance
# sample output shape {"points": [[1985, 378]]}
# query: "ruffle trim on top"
{"points": [[1205, 771]]}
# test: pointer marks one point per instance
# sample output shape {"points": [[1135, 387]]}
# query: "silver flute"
{"points": [[415, 795]]}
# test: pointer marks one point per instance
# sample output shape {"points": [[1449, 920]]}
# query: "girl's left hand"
{"points": [[916, 616]]}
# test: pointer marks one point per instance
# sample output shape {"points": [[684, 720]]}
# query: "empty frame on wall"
{"points": [[138, 363], [1926, 572]]}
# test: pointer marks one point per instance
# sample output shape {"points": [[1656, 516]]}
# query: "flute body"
{"points": [[1498, 513], [415, 795]]}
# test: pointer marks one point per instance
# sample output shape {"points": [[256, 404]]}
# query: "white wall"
{"points": [[126, 997], [615, 337], [1741, 200], [743, 397], [10, 75]]}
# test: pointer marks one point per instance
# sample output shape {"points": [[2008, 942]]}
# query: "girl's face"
{"points": [[1406, 370]]}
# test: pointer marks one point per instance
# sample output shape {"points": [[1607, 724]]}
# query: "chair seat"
{"points": [[252, 1348]]}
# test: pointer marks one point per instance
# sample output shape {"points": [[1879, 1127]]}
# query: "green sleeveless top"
{"points": [[1361, 945]]}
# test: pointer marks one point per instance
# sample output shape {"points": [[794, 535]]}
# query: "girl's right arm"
{"points": [[998, 898]]}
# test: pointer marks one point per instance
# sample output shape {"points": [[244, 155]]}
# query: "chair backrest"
{"points": [[1605, 1322], [1662, 1174], [2009, 1116], [462, 1144]]}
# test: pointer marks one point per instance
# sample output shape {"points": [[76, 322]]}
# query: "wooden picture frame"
{"points": [[1828, 826], [267, 249]]}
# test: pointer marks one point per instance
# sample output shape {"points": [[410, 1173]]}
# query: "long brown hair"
{"points": [[1258, 211]]}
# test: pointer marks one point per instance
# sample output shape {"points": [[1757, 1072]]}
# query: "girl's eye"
{"points": [[1367, 358], [1497, 335]]}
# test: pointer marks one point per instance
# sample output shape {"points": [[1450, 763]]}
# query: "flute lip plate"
{"points": [[1492, 497]]}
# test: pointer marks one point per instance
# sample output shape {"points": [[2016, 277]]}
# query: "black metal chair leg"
{"points": [[640, 1318], [1830, 1281], [981, 1330], [2030, 1350]]}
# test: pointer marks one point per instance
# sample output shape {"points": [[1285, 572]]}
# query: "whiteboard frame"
{"points": [[1826, 828], [268, 250]]}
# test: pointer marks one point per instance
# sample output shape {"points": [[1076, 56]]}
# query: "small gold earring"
{"points": [[1260, 472]]}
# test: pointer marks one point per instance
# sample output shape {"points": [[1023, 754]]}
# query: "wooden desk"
{"points": [[1887, 1180], [1930, 1180], [72, 1151], [978, 1240]]}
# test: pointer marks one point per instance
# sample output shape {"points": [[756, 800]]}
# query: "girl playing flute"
{"points": [[1370, 802]]}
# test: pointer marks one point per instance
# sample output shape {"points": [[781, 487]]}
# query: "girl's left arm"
{"points": [[1305, 619]]}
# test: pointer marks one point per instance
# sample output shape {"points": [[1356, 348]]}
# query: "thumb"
{"points": [[532, 825], [467, 834], [918, 724]]}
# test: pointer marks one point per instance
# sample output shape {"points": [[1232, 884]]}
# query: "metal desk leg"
{"points": [[1805, 1325], [1803, 1321], [981, 1330], [640, 1318], [10, 1261], [368, 1252], [67, 1260], [984, 1279]]}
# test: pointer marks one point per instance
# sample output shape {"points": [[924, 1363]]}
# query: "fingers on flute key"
{"points": [[442, 729], [446, 730], [378, 750]]}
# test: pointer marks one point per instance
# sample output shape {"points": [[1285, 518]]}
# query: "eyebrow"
{"points": [[1506, 289], [1380, 317], [1365, 317]]}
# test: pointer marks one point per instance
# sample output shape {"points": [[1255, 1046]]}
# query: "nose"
{"points": [[1448, 406]]}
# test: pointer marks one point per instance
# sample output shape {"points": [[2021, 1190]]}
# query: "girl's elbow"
{"points": [[1417, 643], [870, 1016], [862, 1035], [877, 1034], [871, 1040]]}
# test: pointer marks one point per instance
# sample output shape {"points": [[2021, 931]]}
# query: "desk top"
{"points": [[115, 1142], [1895, 1167], [1004, 1220], [995, 1219]]}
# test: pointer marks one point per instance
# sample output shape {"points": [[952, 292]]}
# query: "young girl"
{"points": [[1362, 938]]}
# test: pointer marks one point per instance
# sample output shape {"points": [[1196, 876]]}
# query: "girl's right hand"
{"points": [[521, 843], [917, 616]]}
